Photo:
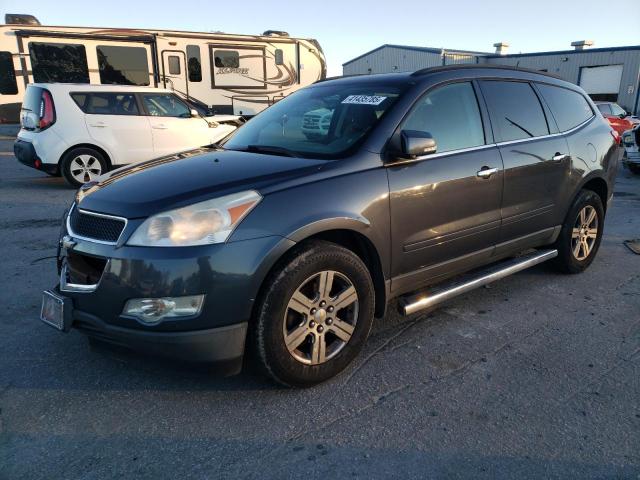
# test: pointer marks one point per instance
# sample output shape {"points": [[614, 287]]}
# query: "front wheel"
{"points": [[315, 314], [635, 168], [581, 233], [82, 165]]}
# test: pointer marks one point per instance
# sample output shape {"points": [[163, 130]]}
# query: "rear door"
{"points": [[116, 123], [536, 162], [172, 126], [443, 208]]}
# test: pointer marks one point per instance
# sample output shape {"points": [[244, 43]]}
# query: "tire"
{"points": [[634, 168], [574, 256], [82, 163], [342, 331]]}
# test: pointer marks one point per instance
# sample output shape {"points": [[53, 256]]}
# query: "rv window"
{"points": [[123, 65], [279, 57], [174, 65], [58, 62], [227, 59], [193, 63], [8, 85], [106, 103]]}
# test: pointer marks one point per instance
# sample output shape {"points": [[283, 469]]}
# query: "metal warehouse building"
{"points": [[611, 74]]}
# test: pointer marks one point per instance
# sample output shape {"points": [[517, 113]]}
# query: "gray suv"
{"points": [[291, 244]]}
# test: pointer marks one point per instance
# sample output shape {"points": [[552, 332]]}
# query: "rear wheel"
{"points": [[82, 165], [634, 168], [581, 233], [315, 315]]}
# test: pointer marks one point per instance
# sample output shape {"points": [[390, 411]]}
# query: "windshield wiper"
{"points": [[285, 152]]}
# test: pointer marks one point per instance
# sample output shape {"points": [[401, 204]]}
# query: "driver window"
{"points": [[451, 115], [165, 105]]}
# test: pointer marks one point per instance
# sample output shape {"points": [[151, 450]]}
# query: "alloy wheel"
{"points": [[85, 168], [584, 233], [320, 317]]}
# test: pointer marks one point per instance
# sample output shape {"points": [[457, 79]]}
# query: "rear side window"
{"points": [[227, 59], [106, 103], [605, 108], [8, 85], [569, 108], [451, 115], [123, 65], [194, 65], [515, 110], [58, 62]]}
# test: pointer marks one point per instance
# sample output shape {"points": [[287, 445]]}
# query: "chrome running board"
{"points": [[414, 303]]}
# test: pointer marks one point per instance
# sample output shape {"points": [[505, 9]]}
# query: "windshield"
{"points": [[318, 122]]}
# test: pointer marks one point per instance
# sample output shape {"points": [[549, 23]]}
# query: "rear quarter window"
{"points": [[569, 108]]}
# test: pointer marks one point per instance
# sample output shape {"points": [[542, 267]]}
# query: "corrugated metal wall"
{"points": [[567, 66], [390, 59]]}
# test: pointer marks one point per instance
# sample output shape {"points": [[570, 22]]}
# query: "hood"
{"points": [[170, 182]]}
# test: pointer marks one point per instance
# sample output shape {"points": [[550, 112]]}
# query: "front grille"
{"points": [[95, 226]]}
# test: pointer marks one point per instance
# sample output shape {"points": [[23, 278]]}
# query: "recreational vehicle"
{"points": [[217, 73]]}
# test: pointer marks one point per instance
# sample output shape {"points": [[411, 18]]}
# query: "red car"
{"points": [[620, 120]]}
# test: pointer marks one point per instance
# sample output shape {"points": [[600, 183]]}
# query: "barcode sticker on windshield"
{"points": [[364, 99]]}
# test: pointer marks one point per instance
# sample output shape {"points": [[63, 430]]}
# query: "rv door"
{"points": [[174, 73], [241, 68]]}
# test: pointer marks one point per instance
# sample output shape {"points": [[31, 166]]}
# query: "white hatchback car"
{"points": [[81, 131]]}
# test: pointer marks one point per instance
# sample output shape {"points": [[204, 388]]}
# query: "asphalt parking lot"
{"points": [[536, 376]]}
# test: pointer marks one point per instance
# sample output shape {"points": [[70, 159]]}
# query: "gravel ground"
{"points": [[536, 376]]}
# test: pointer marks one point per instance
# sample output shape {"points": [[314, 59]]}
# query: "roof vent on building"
{"points": [[581, 44], [501, 48], [275, 33], [20, 19]]}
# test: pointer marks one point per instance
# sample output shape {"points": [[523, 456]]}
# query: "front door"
{"points": [[536, 163], [174, 71], [172, 126], [445, 207]]}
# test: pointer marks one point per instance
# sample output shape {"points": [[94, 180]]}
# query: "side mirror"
{"points": [[194, 113], [416, 143]]}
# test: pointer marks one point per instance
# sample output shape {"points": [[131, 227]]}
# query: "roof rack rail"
{"points": [[338, 77], [445, 68]]}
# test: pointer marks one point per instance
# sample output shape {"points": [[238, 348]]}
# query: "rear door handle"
{"points": [[558, 157], [160, 126], [98, 124], [486, 172]]}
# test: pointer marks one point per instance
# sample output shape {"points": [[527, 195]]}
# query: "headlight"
{"points": [[202, 223]]}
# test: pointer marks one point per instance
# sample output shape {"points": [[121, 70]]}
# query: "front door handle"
{"points": [[160, 126], [486, 172], [558, 157]]}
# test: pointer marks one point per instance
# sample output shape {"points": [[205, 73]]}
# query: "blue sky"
{"points": [[348, 29]]}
